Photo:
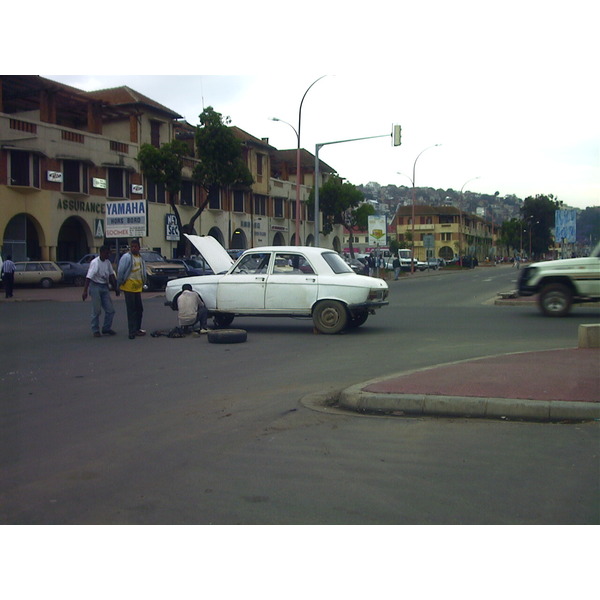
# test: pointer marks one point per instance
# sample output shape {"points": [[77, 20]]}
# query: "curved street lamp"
{"points": [[298, 178], [412, 258]]}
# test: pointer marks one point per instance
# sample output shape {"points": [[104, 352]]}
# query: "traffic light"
{"points": [[397, 134]]}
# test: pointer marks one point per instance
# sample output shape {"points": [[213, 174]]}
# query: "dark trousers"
{"points": [[135, 311], [9, 280]]}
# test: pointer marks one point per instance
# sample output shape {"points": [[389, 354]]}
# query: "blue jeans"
{"points": [[100, 296]]}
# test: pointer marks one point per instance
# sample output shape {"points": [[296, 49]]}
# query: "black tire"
{"points": [[227, 336], [222, 320], [46, 283], [358, 319], [330, 316], [555, 300]]}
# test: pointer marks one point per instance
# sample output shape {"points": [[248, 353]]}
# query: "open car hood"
{"points": [[213, 253]]}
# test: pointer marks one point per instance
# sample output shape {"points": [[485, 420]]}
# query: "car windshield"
{"points": [[255, 262], [336, 262]]}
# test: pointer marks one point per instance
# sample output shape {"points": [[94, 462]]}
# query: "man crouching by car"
{"points": [[192, 313]]}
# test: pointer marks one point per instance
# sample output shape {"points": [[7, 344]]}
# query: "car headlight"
{"points": [[377, 294]]}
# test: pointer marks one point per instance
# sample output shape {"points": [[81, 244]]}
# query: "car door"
{"points": [[243, 288], [33, 273], [292, 285]]}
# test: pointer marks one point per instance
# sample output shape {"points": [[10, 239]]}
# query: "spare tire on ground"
{"points": [[227, 336]]}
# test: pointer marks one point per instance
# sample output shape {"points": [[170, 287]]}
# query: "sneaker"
{"points": [[109, 332], [97, 334], [140, 332], [204, 330]]}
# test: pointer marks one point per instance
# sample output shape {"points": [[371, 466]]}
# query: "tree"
{"points": [[163, 165], [340, 204], [538, 216], [511, 234], [221, 160]]}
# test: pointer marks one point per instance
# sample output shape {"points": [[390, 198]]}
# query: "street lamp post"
{"points": [[412, 259], [298, 168]]}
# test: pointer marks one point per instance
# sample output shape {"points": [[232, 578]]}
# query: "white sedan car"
{"points": [[288, 281]]}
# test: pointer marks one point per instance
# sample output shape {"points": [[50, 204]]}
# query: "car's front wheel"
{"points": [[555, 300], [46, 283], [330, 316], [358, 319]]}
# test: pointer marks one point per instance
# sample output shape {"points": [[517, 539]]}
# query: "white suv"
{"points": [[562, 283]]}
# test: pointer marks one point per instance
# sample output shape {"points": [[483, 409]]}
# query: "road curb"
{"points": [[355, 398]]}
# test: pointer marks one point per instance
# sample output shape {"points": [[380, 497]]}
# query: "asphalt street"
{"points": [[179, 431]]}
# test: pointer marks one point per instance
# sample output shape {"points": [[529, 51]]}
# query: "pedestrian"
{"points": [[192, 312], [396, 267], [100, 274], [131, 276], [8, 276]]}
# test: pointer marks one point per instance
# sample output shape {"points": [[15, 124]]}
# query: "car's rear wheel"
{"points": [[555, 300], [223, 320], [46, 283], [330, 316], [358, 319]]}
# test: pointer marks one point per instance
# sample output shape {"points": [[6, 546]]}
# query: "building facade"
{"points": [[64, 153], [444, 232]]}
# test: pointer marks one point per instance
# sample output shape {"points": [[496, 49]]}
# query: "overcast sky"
{"points": [[508, 89]]}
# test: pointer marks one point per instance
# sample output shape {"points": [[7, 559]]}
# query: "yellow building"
{"points": [[64, 153], [443, 232]]}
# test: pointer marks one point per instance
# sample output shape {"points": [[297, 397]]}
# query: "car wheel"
{"points": [[555, 300], [46, 283], [227, 336], [223, 320], [79, 281], [330, 316], [358, 319]]}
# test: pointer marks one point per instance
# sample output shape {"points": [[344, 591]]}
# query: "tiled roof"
{"points": [[124, 95]]}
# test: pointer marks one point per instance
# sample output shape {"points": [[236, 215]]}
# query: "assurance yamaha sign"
{"points": [[126, 218]]}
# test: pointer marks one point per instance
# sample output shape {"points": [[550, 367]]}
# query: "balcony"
{"points": [[59, 142]]}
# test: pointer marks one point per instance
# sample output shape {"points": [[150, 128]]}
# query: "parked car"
{"points": [[159, 270], [38, 272], [73, 272], [194, 266], [292, 281]]}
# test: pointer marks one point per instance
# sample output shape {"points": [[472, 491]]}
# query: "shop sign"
{"points": [[54, 176], [137, 189], [126, 218], [99, 183], [171, 229]]}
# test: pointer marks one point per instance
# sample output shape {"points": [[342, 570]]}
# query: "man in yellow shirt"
{"points": [[131, 276]]}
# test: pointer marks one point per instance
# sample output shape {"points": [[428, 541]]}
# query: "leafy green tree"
{"points": [[163, 165], [341, 204], [221, 157], [221, 163], [510, 235], [538, 216], [588, 226]]}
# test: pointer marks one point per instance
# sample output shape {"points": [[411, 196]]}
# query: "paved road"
{"points": [[182, 431]]}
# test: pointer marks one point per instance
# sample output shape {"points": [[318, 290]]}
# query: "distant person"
{"points": [[131, 276], [396, 267], [192, 312], [8, 276], [100, 274]]}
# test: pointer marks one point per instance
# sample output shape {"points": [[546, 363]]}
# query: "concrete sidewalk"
{"points": [[552, 385]]}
